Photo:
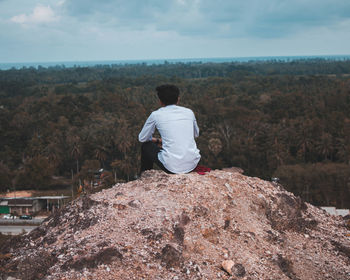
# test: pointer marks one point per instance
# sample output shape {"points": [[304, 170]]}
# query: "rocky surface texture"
{"points": [[184, 227]]}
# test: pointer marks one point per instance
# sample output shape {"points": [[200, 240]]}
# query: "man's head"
{"points": [[168, 94]]}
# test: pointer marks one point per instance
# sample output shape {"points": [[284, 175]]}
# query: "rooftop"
{"points": [[36, 197]]}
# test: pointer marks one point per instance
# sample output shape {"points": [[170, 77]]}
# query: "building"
{"points": [[337, 212], [21, 206], [4, 208], [31, 205]]}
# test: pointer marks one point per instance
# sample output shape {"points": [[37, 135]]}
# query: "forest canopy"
{"points": [[273, 119]]}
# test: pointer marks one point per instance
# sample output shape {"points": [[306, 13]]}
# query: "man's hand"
{"points": [[158, 141]]}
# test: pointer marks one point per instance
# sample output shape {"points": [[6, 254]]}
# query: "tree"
{"points": [[88, 169], [37, 173], [101, 154], [75, 149], [5, 177], [305, 141], [126, 166], [325, 146]]}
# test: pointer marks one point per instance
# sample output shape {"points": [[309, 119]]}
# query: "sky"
{"points": [[96, 30]]}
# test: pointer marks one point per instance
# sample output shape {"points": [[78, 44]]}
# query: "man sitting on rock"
{"points": [[176, 151]]}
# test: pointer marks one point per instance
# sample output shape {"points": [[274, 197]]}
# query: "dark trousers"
{"points": [[149, 155]]}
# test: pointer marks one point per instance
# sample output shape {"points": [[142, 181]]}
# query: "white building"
{"points": [[335, 211]]}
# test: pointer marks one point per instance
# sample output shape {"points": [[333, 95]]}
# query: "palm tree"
{"points": [[305, 143], [124, 140], [53, 153], [343, 150], [279, 151], [325, 145], [125, 165], [101, 154], [76, 153]]}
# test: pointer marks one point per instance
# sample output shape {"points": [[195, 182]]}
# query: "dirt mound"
{"points": [[183, 227]]}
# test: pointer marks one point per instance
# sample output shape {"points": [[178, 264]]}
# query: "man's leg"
{"points": [[149, 155]]}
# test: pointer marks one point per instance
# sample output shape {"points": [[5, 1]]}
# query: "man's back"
{"points": [[178, 128]]}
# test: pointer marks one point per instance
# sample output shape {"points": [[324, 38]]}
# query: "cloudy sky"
{"points": [[73, 30]]}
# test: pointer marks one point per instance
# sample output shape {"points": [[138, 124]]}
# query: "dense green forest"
{"points": [[289, 120]]}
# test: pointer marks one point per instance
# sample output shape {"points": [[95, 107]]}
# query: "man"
{"points": [[177, 127]]}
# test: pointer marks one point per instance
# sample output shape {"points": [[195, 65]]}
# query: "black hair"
{"points": [[168, 94]]}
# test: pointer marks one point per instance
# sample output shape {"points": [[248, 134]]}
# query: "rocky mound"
{"points": [[184, 227]]}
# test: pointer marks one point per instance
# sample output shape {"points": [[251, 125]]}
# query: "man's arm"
{"points": [[195, 128], [148, 129]]}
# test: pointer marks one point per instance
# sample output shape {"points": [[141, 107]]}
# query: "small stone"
{"points": [[228, 187], [239, 270], [118, 194], [135, 203], [119, 206], [227, 266]]}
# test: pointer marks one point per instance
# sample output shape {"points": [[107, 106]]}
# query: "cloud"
{"points": [[122, 29], [117, 13], [60, 2], [220, 18], [275, 18], [40, 14]]}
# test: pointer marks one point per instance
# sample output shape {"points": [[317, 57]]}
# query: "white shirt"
{"points": [[178, 127]]}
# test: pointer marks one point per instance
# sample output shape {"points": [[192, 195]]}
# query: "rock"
{"points": [[233, 170], [170, 256], [119, 206], [135, 203], [227, 265], [239, 270]]}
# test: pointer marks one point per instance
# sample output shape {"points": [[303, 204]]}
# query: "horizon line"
{"points": [[92, 63], [180, 58]]}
